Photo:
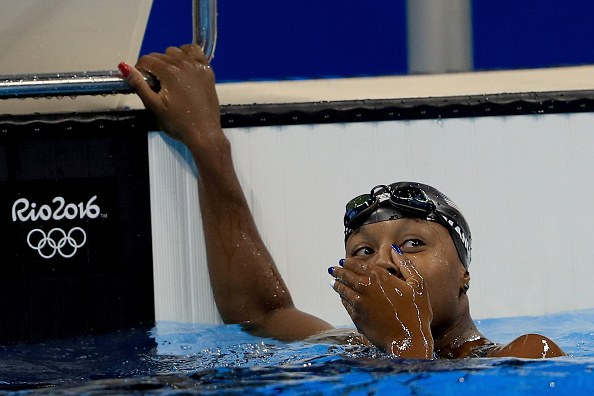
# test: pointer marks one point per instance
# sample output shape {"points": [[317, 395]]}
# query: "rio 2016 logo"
{"points": [[57, 240]]}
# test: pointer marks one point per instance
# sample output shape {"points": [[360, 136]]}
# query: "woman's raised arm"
{"points": [[247, 286]]}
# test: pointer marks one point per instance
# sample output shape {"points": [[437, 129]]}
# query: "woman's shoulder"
{"points": [[531, 346]]}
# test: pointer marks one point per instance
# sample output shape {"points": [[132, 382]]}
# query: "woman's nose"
{"points": [[384, 259]]}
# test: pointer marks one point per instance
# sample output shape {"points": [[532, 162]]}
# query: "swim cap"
{"points": [[409, 200]]}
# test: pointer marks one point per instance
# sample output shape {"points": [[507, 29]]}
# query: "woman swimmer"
{"points": [[405, 275]]}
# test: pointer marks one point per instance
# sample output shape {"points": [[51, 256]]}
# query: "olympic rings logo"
{"points": [[56, 241]]}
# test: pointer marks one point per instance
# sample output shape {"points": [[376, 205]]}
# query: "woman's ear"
{"points": [[465, 282]]}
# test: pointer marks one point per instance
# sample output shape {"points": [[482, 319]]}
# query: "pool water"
{"points": [[174, 358]]}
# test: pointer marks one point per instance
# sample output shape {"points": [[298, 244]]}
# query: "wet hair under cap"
{"points": [[445, 213]]}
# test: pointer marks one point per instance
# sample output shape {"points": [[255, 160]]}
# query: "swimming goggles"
{"points": [[409, 199]]}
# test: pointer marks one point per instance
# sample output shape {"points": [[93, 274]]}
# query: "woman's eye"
{"points": [[412, 243], [364, 251]]}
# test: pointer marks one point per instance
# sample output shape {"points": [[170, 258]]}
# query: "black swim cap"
{"points": [[410, 200]]}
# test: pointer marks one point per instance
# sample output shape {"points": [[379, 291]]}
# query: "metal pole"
{"points": [[204, 15], [439, 36], [104, 82]]}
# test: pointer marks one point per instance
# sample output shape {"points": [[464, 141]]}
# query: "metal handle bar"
{"points": [[110, 81]]}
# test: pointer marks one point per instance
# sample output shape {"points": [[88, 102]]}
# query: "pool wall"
{"points": [[518, 164]]}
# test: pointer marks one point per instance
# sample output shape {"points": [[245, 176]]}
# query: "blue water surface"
{"points": [[174, 358]]}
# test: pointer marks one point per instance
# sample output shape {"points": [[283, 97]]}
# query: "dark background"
{"points": [[107, 284], [273, 40]]}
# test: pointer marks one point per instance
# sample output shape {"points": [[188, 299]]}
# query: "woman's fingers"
{"points": [[348, 296], [136, 80], [411, 275], [194, 51], [351, 279], [158, 64], [408, 270]]}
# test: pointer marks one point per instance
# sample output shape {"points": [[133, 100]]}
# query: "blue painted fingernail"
{"points": [[331, 270], [341, 262], [395, 247]]}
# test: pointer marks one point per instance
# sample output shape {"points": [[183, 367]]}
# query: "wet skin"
{"points": [[412, 301], [417, 293], [411, 305]]}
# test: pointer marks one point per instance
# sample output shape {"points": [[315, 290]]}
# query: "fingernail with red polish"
{"points": [[125, 69], [397, 249]]}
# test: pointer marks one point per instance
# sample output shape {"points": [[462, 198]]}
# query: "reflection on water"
{"points": [[57, 362], [174, 357]]}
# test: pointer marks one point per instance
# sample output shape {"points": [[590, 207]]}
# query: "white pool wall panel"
{"points": [[525, 184]]}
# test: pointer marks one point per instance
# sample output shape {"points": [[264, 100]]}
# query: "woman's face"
{"points": [[431, 249]]}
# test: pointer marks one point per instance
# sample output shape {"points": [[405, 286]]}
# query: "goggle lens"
{"points": [[411, 198], [407, 198], [356, 206]]}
